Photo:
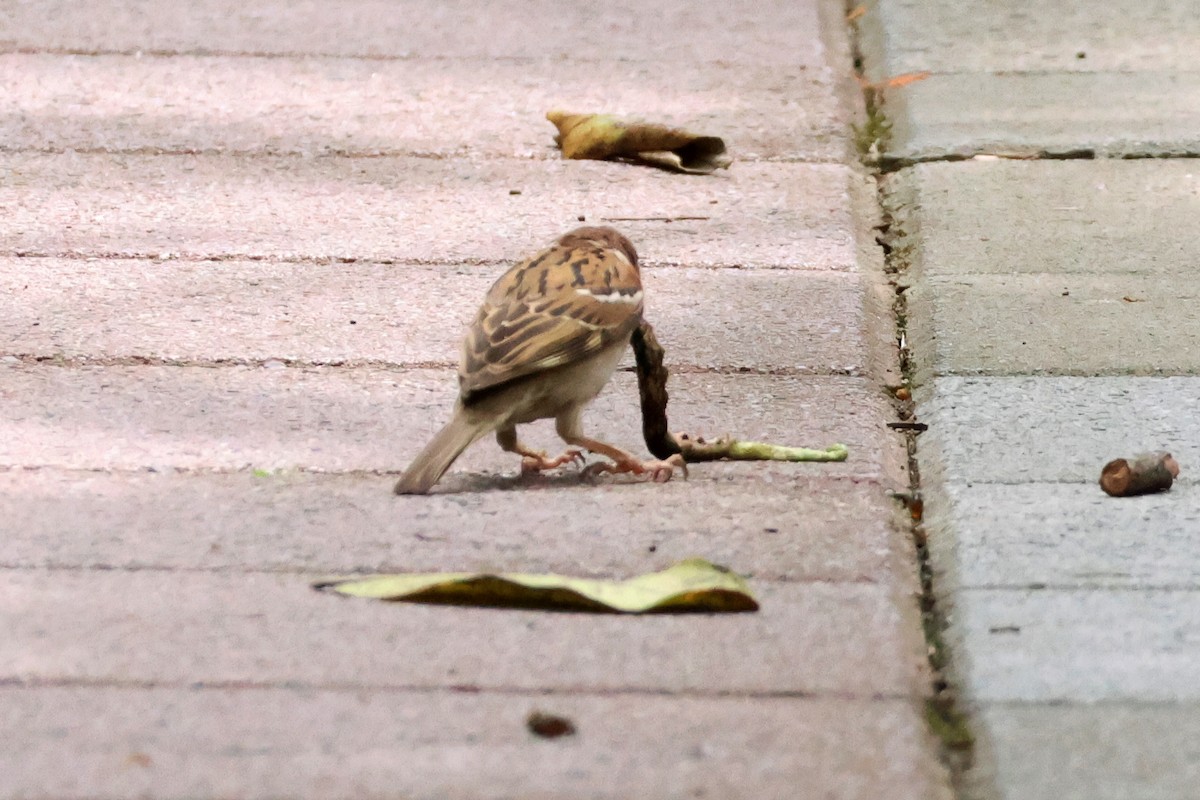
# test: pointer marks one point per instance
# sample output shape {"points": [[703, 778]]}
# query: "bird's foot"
{"points": [[537, 462], [656, 471]]}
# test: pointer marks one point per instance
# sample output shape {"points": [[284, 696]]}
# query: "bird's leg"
{"points": [[569, 428], [533, 460]]}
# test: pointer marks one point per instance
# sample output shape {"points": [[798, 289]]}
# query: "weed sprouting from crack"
{"points": [[874, 136]]}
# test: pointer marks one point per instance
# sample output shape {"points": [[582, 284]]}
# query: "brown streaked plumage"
{"points": [[545, 342]]}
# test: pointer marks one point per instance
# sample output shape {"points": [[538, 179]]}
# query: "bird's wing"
{"points": [[561, 306]]}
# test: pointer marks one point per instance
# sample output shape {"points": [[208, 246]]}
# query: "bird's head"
{"points": [[603, 236]]}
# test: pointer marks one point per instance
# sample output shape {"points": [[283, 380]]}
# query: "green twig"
{"points": [[726, 449]]}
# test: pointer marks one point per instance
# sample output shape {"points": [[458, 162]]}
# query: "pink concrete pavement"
{"points": [[247, 311], [247, 741], [402, 208], [199, 199], [370, 106]]}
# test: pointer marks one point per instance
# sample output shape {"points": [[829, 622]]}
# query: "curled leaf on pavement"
{"points": [[693, 585], [603, 136], [652, 387]]}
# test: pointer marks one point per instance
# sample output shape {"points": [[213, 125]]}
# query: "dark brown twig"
{"points": [[652, 388]]}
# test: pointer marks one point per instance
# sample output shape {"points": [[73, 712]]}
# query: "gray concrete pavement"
{"points": [[1022, 429], [1104, 751], [959, 217], [1120, 115], [1051, 320], [1004, 533], [1118, 81], [1012, 324], [1019, 36], [240, 241]]}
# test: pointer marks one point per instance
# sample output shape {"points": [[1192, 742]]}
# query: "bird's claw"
{"points": [[656, 471], [540, 461]]}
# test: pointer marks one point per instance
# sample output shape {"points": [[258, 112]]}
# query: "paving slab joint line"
{"points": [[943, 711], [79, 362], [206, 52], [299, 260], [449, 688], [382, 365], [857, 480], [336, 153], [875, 136], [896, 163], [225, 569], [888, 162]]}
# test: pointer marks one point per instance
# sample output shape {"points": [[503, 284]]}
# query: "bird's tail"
{"points": [[439, 454]]}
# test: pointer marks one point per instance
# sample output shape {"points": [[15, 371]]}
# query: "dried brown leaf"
{"points": [[603, 136]]}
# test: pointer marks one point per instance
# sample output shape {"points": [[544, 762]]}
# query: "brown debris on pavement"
{"points": [[602, 136], [1142, 474], [549, 726]]}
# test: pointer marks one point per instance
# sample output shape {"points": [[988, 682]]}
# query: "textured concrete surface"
{"points": [[1011, 78], [411, 106], [795, 527], [1129, 751], [419, 209], [947, 36], [1066, 535], [1070, 615], [229, 626], [239, 244], [743, 32], [1080, 646], [245, 311], [329, 419], [1027, 429], [1109, 114], [1068, 218], [1055, 325], [218, 742]]}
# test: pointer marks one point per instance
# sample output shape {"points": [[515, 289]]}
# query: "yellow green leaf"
{"points": [[691, 585]]}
